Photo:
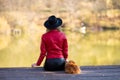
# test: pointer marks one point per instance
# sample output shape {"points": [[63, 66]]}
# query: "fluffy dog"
{"points": [[71, 67]]}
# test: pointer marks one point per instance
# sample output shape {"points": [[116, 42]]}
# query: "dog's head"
{"points": [[70, 62], [71, 67]]}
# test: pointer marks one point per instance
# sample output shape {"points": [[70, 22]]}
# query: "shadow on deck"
{"points": [[88, 73]]}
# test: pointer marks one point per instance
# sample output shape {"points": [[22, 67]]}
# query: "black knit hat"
{"points": [[53, 22]]}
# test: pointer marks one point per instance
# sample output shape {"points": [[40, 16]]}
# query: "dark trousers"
{"points": [[56, 64]]}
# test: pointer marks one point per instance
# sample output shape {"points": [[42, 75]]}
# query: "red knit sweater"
{"points": [[53, 45]]}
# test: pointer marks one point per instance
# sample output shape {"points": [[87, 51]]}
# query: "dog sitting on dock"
{"points": [[71, 67]]}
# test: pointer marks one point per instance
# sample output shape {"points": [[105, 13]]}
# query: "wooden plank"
{"points": [[88, 73]]}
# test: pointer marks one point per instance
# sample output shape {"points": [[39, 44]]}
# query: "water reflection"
{"points": [[91, 49], [20, 40], [4, 33], [19, 44]]}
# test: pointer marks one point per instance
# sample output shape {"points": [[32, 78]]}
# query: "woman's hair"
{"points": [[58, 28]]}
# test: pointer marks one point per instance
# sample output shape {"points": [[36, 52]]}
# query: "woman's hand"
{"points": [[66, 60], [34, 65]]}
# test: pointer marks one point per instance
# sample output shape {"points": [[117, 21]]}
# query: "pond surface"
{"points": [[97, 48]]}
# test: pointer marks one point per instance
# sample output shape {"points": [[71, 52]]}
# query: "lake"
{"points": [[21, 49]]}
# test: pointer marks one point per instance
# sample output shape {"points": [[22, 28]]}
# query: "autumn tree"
{"points": [[99, 6], [113, 4], [54, 6], [71, 7], [116, 4]]}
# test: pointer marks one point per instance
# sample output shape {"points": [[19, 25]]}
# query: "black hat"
{"points": [[53, 22]]}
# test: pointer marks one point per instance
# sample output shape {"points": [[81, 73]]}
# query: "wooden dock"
{"points": [[88, 73]]}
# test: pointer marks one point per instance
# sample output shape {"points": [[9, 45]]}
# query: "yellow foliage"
{"points": [[4, 33]]}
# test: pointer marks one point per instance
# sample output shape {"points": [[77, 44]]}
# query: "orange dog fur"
{"points": [[72, 68]]}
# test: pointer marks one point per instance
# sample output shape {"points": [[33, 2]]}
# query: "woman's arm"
{"points": [[65, 49], [42, 55]]}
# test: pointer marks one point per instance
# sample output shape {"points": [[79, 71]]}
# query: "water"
{"points": [[99, 48], [20, 34], [19, 40]]}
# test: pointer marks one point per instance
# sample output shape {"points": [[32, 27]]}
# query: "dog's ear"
{"points": [[71, 61]]}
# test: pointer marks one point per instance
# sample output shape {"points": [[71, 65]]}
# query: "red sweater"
{"points": [[53, 45]]}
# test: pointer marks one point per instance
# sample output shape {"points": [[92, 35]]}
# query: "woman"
{"points": [[54, 46]]}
